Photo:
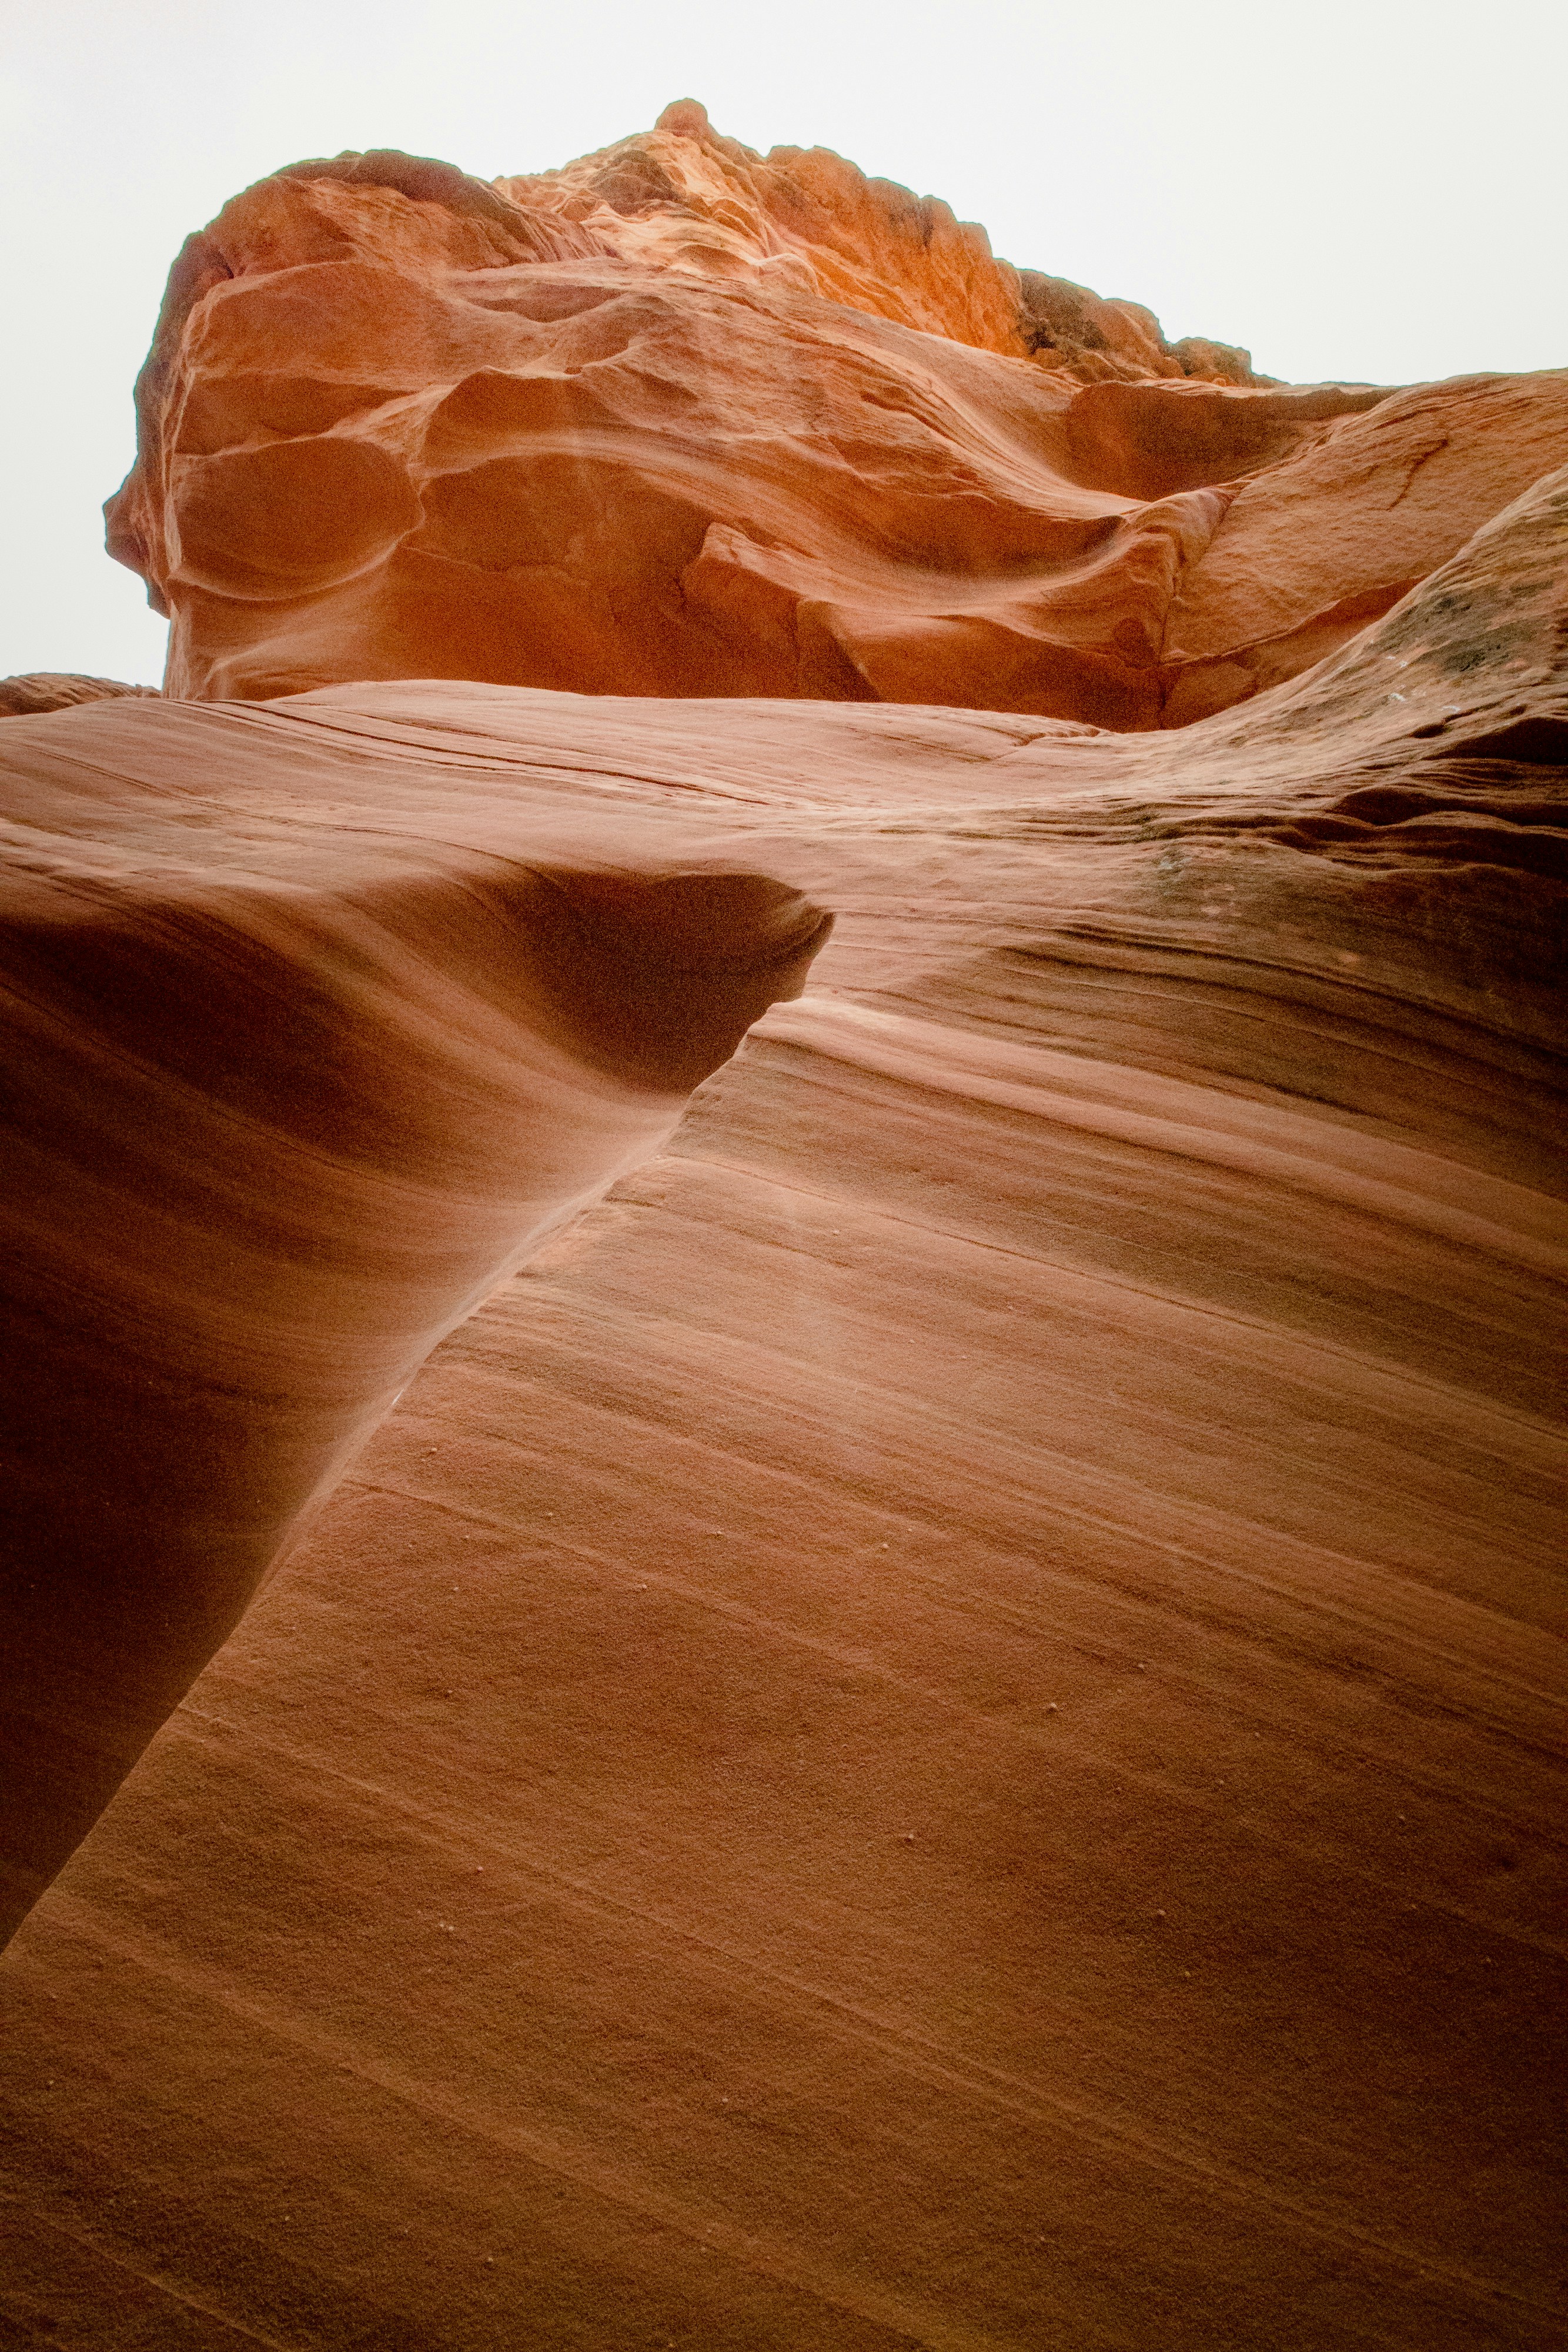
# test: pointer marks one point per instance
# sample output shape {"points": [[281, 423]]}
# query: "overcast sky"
{"points": [[1365, 189]]}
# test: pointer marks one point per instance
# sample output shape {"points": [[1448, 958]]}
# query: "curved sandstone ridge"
{"points": [[282, 1103], [938, 1729], [682, 420]]}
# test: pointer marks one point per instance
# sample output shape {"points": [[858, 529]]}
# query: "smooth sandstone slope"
{"points": [[938, 1729], [282, 1103], [683, 420]]}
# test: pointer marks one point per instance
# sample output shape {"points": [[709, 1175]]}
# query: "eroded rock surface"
{"points": [[939, 1727], [935, 1726], [683, 420], [32, 692], [281, 1104]]}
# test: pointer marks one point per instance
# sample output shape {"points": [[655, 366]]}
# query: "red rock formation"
{"points": [[1331, 537], [935, 1729], [938, 1729], [272, 1131], [683, 420], [683, 198], [35, 691]]}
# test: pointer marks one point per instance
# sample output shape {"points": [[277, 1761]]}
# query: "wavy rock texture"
{"points": [[682, 420], [35, 691], [279, 1113], [935, 1729]]}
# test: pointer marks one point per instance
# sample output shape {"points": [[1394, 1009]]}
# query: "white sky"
{"points": [[1369, 189]]}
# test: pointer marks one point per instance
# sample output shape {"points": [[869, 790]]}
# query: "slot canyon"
{"points": [[784, 1250]]}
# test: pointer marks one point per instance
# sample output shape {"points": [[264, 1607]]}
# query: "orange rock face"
{"points": [[34, 692], [906, 1683], [937, 1728], [683, 420]]}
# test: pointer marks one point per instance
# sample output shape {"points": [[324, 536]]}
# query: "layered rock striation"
{"points": [[931, 1719], [937, 1727], [32, 692], [278, 1113], [682, 420]]}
